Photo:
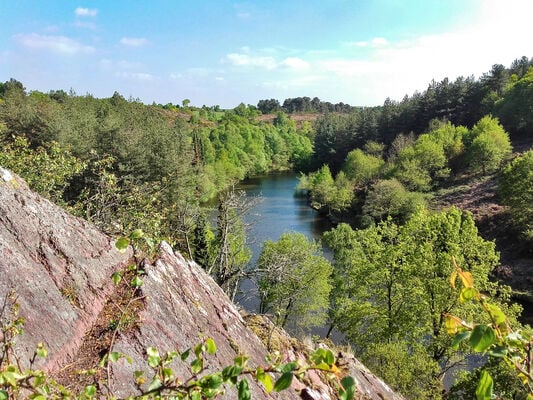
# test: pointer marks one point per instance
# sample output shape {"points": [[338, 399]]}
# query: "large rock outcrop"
{"points": [[60, 268]]}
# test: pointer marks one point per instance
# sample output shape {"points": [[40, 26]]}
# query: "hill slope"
{"points": [[59, 267]]}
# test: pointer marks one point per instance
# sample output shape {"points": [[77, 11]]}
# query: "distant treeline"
{"points": [[461, 102], [302, 105]]}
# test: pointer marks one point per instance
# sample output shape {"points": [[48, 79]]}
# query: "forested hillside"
{"points": [[384, 171]]}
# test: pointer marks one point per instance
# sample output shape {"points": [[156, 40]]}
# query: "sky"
{"points": [[220, 52]]}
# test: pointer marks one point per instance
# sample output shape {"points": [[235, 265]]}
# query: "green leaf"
{"points": [[484, 386], [12, 377], [498, 351], [231, 371], [155, 384], [347, 392], [171, 355], [196, 396], [41, 350], [117, 277], [136, 234], [198, 349], [103, 361], [136, 282], [467, 293], [114, 356], [283, 382], [265, 379], [197, 366], [289, 367], [211, 346], [90, 391], [321, 356], [496, 313], [211, 381], [122, 244], [458, 338], [185, 354], [240, 361], [322, 366], [153, 357], [482, 338], [3, 395], [168, 374], [330, 358], [244, 390]]}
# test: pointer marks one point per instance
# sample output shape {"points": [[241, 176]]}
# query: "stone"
{"points": [[60, 268]]}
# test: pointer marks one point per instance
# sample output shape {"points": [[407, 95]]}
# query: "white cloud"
{"points": [[295, 63], [133, 42], [266, 62], [108, 65], [56, 44], [86, 12], [375, 42], [396, 68], [245, 60], [379, 42], [138, 76]]}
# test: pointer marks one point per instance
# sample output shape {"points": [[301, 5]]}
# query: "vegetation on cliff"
{"points": [[124, 165]]}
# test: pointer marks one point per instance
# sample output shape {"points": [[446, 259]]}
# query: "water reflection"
{"points": [[279, 211]]}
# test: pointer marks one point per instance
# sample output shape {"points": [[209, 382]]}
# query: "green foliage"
{"points": [[498, 336], [515, 110], [391, 286], [290, 269], [362, 168], [158, 379], [400, 364], [229, 251], [488, 145], [47, 169], [136, 165], [516, 191], [333, 195], [506, 384], [388, 198]]}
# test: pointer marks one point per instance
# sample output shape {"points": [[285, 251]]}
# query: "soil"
{"points": [[119, 316], [480, 197]]}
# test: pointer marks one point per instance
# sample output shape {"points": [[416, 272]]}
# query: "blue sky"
{"points": [[226, 52]]}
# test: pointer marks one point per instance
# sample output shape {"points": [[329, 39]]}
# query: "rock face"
{"points": [[60, 268]]}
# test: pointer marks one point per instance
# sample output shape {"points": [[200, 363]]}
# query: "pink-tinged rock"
{"points": [[60, 268]]}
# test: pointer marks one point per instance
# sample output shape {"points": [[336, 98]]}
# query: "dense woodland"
{"points": [[124, 165]]}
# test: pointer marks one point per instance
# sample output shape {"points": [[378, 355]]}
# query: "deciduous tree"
{"points": [[294, 283]]}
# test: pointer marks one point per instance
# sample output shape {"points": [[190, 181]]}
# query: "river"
{"points": [[279, 210]]}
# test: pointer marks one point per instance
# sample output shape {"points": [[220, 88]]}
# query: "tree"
{"points": [[488, 146], [268, 106], [322, 187], [516, 191], [392, 287], [516, 108], [231, 253], [362, 168], [294, 283], [344, 194], [389, 198]]}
